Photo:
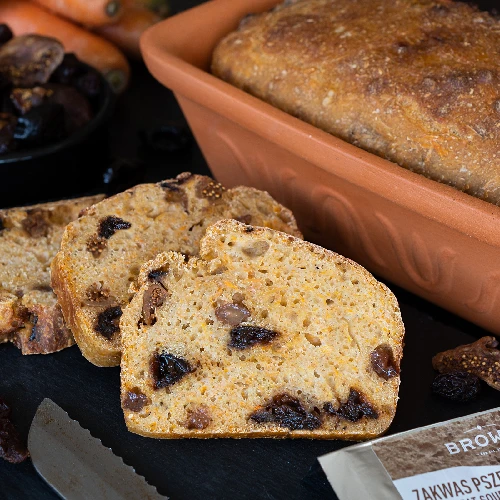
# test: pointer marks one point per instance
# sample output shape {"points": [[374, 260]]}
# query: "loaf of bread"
{"points": [[263, 335], [414, 81], [102, 252], [29, 239]]}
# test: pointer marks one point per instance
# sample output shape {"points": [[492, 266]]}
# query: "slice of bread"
{"points": [[29, 239], [101, 253], [264, 335]]}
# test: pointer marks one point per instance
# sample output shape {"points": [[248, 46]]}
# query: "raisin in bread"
{"points": [[262, 335], [101, 253], [29, 239]]}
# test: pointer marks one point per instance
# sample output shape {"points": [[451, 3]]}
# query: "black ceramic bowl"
{"points": [[68, 168]]}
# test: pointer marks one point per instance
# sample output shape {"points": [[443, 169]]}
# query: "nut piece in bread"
{"points": [[263, 335], [102, 252], [30, 316], [414, 81]]}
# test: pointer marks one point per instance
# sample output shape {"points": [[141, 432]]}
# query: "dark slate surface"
{"points": [[208, 469]]}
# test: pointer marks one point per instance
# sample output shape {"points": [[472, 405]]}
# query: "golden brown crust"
{"points": [[328, 315], [416, 82], [77, 321]]}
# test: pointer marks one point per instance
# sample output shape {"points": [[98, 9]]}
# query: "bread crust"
{"points": [[416, 82], [224, 269]]}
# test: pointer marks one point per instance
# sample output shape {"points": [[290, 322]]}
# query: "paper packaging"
{"points": [[458, 459]]}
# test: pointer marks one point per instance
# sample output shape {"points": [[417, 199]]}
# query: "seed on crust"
{"points": [[209, 189]]}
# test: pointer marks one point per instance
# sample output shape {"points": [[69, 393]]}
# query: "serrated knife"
{"points": [[77, 465]]}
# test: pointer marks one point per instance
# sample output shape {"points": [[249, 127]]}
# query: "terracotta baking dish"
{"points": [[429, 238]]}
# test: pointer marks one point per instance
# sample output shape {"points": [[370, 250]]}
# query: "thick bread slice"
{"points": [[101, 253], [29, 239], [264, 335]]}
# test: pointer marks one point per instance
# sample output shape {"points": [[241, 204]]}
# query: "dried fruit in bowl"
{"points": [[29, 60]]}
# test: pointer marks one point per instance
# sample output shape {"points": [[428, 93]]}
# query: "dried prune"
{"points": [[90, 83], [5, 34], [7, 128], [68, 70], [11, 447], [74, 72], [168, 369], [246, 336], [134, 400], [287, 411], [42, 124], [109, 225], [457, 385], [383, 363], [4, 83], [108, 321], [355, 408], [232, 314], [77, 109], [481, 358]]}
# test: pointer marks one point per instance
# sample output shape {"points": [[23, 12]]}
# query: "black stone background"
{"points": [[215, 468]]}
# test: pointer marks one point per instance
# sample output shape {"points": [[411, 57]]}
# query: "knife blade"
{"points": [[77, 465]]}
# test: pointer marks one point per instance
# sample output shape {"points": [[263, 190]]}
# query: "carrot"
{"points": [[128, 29], [160, 7], [25, 17], [87, 12]]}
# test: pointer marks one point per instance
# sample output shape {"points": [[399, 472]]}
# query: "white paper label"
{"points": [[457, 483]]}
